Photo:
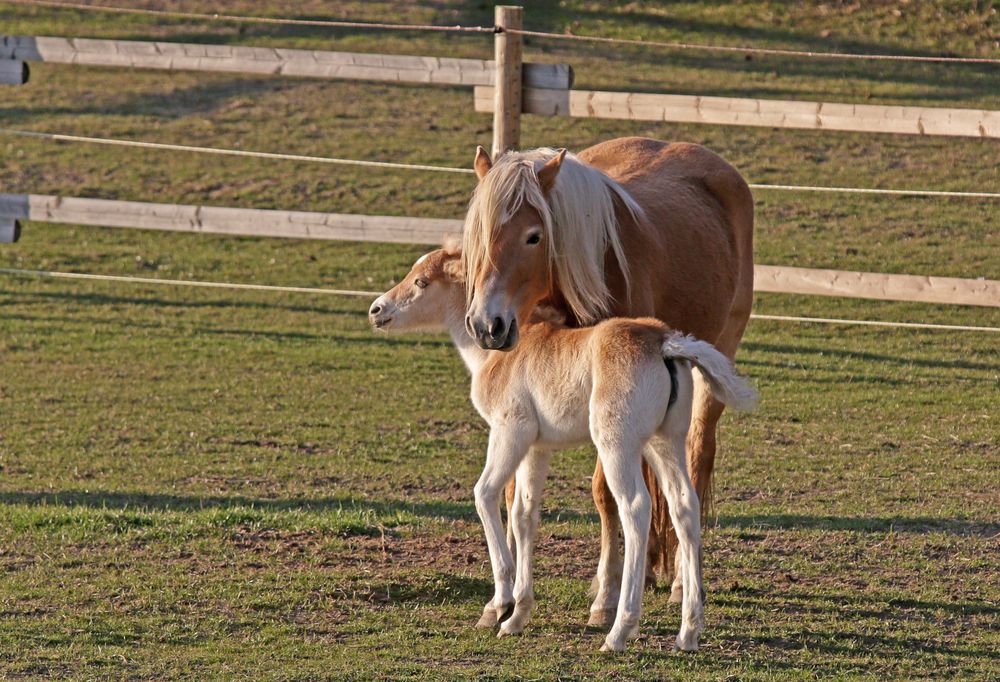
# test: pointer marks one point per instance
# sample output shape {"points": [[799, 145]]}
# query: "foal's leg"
{"points": [[507, 448], [667, 458], [524, 517], [622, 467], [607, 583]]}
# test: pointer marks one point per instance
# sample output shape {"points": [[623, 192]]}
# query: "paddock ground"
{"points": [[242, 485]]}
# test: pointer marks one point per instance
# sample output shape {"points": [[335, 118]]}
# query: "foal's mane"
{"points": [[578, 223]]}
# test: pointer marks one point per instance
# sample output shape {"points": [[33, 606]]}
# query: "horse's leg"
{"points": [[623, 470], [508, 492], [706, 412], [607, 581], [667, 458], [524, 517], [507, 448]]}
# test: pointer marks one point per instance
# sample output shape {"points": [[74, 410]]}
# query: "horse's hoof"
{"points": [[601, 618], [676, 595], [490, 619], [487, 620]]}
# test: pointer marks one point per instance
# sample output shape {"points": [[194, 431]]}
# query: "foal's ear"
{"points": [[454, 270], [482, 163], [547, 173]]}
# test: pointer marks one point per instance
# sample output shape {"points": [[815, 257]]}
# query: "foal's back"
{"points": [[555, 375]]}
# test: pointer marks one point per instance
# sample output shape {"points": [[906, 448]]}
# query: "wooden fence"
{"points": [[270, 61], [543, 89]]}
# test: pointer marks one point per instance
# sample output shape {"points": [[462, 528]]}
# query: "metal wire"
{"points": [[374, 294], [447, 169], [230, 152], [250, 19], [754, 50]]}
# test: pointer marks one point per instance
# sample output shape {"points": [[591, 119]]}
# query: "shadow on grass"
{"points": [[896, 615], [915, 524], [104, 500], [442, 588], [176, 104], [853, 604]]}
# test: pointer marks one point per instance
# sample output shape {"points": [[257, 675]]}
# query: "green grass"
{"points": [[240, 485]]}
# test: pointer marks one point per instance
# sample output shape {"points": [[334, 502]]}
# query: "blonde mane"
{"points": [[578, 222]]}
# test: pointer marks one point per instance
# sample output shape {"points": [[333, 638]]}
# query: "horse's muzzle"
{"points": [[497, 335]]}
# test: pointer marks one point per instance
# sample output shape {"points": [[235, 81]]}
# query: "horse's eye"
{"points": [[534, 238], [421, 283]]}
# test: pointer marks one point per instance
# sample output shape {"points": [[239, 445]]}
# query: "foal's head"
{"points": [[433, 289]]}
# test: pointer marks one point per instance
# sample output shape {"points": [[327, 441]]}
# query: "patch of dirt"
{"points": [[453, 552], [464, 550], [276, 542]]}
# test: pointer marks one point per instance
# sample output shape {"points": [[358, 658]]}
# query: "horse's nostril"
{"points": [[496, 329], [376, 309]]}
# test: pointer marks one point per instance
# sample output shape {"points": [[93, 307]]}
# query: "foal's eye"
{"points": [[421, 283], [534, 238]]}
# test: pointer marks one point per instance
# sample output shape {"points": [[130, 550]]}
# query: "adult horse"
{"points": [[630, 227]]}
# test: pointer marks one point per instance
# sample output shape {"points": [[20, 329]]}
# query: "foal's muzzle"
{"points": [[379, 314], [493, 335]]}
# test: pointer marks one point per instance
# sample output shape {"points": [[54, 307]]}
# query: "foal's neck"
{"points": [[472, 355]]}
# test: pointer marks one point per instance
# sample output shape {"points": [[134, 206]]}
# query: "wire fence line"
{"points": [[739, 49], [373, 294], [754, 50], [214, 16], [59, 137]]}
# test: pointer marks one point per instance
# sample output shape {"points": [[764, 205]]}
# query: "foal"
{"points": [[624, 383]]}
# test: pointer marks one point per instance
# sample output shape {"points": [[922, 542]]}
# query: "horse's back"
{"points": [[694, 246]]}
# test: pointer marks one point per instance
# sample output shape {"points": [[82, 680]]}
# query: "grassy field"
{"points": [[237, 485]]}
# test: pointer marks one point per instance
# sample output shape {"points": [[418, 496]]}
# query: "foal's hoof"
{"points": [[686, 640], [506, 630], [610, 645], [602, 618], [492, 617]]}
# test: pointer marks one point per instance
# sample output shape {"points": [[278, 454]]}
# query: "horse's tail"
{"points": [[727, 385]]}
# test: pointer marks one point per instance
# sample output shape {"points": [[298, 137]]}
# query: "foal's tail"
{"points": [[727, 385]]}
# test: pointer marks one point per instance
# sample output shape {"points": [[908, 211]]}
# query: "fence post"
{"points": [[10, 230], [13, 72], [507, 86]]}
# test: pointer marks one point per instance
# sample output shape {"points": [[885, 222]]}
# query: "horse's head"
{"points": [[434, 287], [507, 246]]}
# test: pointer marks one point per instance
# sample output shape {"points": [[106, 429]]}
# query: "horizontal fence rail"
{"points": [[245, 222], [275, 61], [308, 225], [885, 287], [869, 118]]}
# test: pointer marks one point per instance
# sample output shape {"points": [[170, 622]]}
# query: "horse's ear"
{"points": [[547, 173], [482, 163]]}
